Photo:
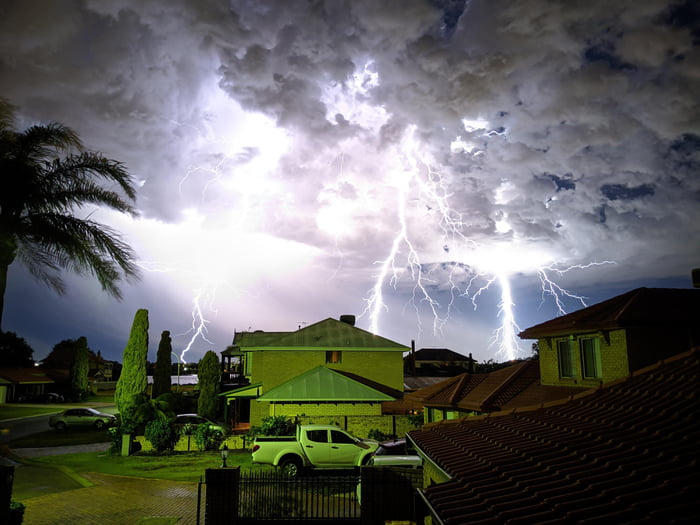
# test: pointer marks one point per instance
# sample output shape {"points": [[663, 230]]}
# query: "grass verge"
{"points": [[178, 466], [17, 411]]}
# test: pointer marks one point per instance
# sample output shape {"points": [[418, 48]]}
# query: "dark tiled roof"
{"points": [[640, 307], [623, 453], [25, 375], [438, 354], [516, 385], [328, 333]]}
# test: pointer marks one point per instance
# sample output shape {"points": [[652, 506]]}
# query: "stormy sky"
{"points": [[421, 164]]}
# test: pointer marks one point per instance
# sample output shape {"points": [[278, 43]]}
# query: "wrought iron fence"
{"points": [[271, 496]]}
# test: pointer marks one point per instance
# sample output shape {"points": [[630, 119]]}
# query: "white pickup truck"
{"points": [[314, 446]]}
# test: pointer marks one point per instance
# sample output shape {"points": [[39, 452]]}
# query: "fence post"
{"points": [[221, 505]]}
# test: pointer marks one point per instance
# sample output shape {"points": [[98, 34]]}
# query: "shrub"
{"points": [[278, 426], [16, 512], [160, 434], [206, 438], [380, 436]]}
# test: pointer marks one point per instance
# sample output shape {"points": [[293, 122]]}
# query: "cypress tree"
{"points": [[162, 372], [133, 380], [209, 378], [79, 368]]}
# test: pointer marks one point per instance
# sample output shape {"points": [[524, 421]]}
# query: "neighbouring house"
{"points": [[330, 371], [477, 394], [608, 340], [18, 384], [436, 362], [624, 452]]}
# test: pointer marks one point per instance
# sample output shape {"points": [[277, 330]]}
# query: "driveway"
{"points": [[58, 496]]}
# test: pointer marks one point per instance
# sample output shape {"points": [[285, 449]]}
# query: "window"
{"points": [[317, 436], [334, 356], [566, 365], [590, 357], [341, 437]]}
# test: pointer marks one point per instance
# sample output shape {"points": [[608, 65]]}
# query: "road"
{"points": [[18, 428]]}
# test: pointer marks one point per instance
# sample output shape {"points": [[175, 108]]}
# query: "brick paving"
{"points": [[117, 500]]}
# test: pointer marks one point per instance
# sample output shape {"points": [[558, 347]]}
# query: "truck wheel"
{"points": [[290, 467]]}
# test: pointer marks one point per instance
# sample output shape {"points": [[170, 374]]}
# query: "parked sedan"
{"points": [[195, 420], [81, 417]]}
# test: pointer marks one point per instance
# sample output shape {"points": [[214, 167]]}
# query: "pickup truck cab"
{"points": [[314, 446]]}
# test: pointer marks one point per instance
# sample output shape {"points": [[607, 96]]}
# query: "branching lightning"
{"points": [[486, 264]]}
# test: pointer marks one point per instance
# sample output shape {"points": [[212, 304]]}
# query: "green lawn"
{"points": [[179, 466]]}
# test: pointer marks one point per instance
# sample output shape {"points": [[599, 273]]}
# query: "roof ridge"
{"points": [[517, 372]]}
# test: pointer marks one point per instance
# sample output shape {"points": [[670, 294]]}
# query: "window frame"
{"points": [[585, 359], [570, 359], [334, 357]]}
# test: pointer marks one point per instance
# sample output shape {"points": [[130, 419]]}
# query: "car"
{"points": [[81, 417], [49, 397], [395, 454], [194, 420]]}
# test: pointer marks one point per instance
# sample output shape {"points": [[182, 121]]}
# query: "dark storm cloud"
{"points": [[564, 129]]}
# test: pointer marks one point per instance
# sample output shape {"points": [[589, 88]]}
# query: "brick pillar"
{"points": [[221, 505]]}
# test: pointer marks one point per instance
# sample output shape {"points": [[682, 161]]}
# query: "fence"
{"points": [[372, 495]]}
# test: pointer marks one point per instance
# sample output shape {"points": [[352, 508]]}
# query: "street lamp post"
{"points": [[178, 371]]}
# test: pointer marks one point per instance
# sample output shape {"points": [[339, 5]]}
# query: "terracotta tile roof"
{"points": [[516, 385], [640, 307], [622, 453]]}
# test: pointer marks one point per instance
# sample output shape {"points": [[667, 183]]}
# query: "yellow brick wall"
{"points": [[273, 368], [188, 443], [325, 409], [613, 357], [361, 426]]}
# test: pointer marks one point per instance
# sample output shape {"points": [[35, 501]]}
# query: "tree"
{"points": [[209, 379], [133, 381], [79, 369], [15, 351], [161, 373], [45, 176]]}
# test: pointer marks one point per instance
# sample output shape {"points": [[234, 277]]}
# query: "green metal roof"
{"points": [[244, 391], [321, 384], [329, 333]]}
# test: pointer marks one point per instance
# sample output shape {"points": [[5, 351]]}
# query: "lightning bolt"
{"points": [[504, 340], [199, 325]]}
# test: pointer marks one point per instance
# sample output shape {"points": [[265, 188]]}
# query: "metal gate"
{"points": [[269, 496]]}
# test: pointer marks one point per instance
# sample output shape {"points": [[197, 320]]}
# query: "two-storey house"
{"points": [[611, 339], [328, 370]]}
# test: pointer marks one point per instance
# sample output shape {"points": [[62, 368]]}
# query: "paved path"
{"points": [[116, 500]]}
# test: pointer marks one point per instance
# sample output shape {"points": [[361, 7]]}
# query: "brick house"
{"points": [[611, 339], [477, 394], [625, 452], [329, 371]]}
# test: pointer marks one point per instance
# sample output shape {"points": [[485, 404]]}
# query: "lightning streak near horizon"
{"points": [[504, 338]]}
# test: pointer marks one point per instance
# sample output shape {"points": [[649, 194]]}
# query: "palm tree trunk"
{"points": [[3, 286]]}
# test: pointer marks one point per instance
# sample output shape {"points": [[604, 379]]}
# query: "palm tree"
{"points": [[45, 179]]}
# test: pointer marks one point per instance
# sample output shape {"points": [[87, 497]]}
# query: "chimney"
{"points": [[413, 357], [348, 319]]}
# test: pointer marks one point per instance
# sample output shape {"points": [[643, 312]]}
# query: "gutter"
{"points": [[426, 458], [433, 513]]}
